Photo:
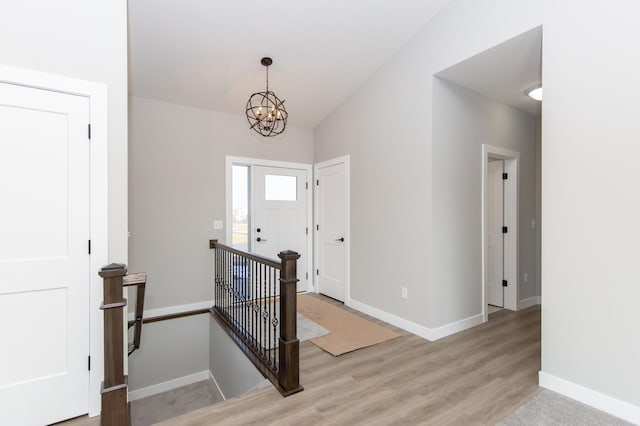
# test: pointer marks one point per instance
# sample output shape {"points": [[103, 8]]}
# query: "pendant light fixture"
{"points": [[265, 111]]}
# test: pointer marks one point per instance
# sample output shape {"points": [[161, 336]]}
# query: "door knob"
{"points": [[260, 239], [341, 239]]}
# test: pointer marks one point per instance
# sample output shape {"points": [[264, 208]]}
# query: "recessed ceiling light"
{"points": [[535, 93]]}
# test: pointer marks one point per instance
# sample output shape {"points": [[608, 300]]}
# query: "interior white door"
{"points": [[279, 220], [44, 260], [331, 190], [495, 254]]}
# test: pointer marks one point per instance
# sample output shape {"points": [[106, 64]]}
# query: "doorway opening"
{"points": [[269, 210], [499, 229]]}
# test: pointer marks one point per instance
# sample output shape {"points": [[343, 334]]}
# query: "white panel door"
{"points": [[495, 204], [44, 260], [331, 190], [279, 220]]}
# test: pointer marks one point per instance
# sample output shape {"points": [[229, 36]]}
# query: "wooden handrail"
{"points": [[139, 281], [254, 296], [114, 387], [176, 315], [245, 254]]}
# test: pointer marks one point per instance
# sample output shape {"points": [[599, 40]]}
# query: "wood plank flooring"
{"points": [[475, 377]]}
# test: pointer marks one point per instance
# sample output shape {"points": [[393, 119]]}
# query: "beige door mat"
{"points": [[347, 332]]}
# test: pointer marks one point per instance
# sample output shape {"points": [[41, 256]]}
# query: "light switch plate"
{"points": [[218, 224]]}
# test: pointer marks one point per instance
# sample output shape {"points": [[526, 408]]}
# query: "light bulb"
{"points": [[535, 94]]}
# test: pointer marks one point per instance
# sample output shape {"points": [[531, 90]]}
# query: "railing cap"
{"points": [[288, 255], [113, 270]]}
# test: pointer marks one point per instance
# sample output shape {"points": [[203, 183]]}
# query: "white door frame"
{"points": [[99, 175], [347, 244], [231, 160], [511, 261]]}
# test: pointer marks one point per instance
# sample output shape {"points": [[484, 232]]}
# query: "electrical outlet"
{"points": [[404, 292]]}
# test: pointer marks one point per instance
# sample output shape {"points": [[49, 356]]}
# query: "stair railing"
{"points": [[114, 387], [255, 303], [138, 281]]}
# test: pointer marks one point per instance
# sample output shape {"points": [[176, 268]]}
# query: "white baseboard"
{"points": [[168, 385], [527, 303], [218, 390], [456, 327], [168, 310], [412, 327], [615, 407]]}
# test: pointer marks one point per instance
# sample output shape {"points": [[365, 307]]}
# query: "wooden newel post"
{"points": [[114, 387], [289, 367]]}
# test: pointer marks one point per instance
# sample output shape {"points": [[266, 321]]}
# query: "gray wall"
{"points": [[85, 40], [392, 154], [589, 169], [169, 350], [538, 230], [177, 189], [233, 371], [462, 122], [590, 196]]}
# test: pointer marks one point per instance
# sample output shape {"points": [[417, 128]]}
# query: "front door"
{"points": [[44, 260], [279, 220], [331, 220], [495, 204]]}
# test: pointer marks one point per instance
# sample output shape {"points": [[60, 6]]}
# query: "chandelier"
{"points": [[265, 111]]}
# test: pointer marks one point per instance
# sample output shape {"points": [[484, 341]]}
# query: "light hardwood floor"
{"points": [[475, 377]]}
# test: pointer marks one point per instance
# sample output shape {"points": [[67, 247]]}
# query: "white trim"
{"points": [[456, 327], [527, 303], [346, 160], [169, 385], [231, 160], [595, 399], [511, 206], [417, 329], [219, 393], [97, 95], [175, 309]]}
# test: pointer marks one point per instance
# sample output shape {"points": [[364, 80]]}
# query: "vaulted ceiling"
{"points": [[207, 54]]}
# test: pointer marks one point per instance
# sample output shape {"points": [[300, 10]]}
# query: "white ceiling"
{"points": [[207, 54], [504, 72]]}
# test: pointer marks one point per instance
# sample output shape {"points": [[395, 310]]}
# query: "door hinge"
{"points": [[505, 176], [89, 363], [317, 227], [504, 283], [306, 185], [317, 182], [307, 274], [306, 230], [504, 229], [317, 271], [89, 244], [89, 131]]}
